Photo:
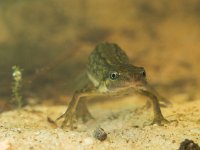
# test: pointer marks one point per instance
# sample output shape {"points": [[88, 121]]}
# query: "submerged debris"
{"points": [[16, 86], [100, 134], [189, 145], [52, 122]]}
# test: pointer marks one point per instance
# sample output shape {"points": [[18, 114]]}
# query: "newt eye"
{"points": [[114, 75]]}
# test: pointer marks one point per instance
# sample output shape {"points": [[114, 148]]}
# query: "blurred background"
{"points": [[51, 41]]}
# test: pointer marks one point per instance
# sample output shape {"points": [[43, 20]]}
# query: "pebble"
{"points": [[100, 134], [88, 141]]}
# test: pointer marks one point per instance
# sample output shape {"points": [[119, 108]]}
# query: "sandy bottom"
{"points": [[125, 123]]}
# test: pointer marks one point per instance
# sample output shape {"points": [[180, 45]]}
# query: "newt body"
{"points": [[109, 72]]}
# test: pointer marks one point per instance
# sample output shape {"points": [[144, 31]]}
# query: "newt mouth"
{"points": [[142, 85], [146, 87]]}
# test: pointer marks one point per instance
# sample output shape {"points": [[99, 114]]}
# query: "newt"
{"points": [[110, 73]]}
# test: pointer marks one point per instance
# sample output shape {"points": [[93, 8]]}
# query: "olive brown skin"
{"points": [[110, 73]]}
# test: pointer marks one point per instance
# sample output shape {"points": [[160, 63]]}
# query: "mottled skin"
{"points": [[110, 73]]}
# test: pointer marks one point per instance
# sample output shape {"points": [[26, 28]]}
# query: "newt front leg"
{"points": [[158, 117], [70, 113], [82, 111]]}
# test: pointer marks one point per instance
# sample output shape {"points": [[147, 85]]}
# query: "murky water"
{"points": [[49, 42]]}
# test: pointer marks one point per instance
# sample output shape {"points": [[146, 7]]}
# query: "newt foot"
{"points": [[69, 117]]}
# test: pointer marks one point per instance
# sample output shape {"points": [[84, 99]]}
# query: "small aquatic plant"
{"points": [[16, 86]]}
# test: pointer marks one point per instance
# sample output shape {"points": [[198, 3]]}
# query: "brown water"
{"points": [[51, 40]]}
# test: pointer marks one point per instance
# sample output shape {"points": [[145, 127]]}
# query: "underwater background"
{"points": [[44, 47], [51, 41]]}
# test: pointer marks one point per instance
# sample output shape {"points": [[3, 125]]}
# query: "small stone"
{"points": [[88, 141], [189, 145], [173, 141], [5, 145], [100, 134]]}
